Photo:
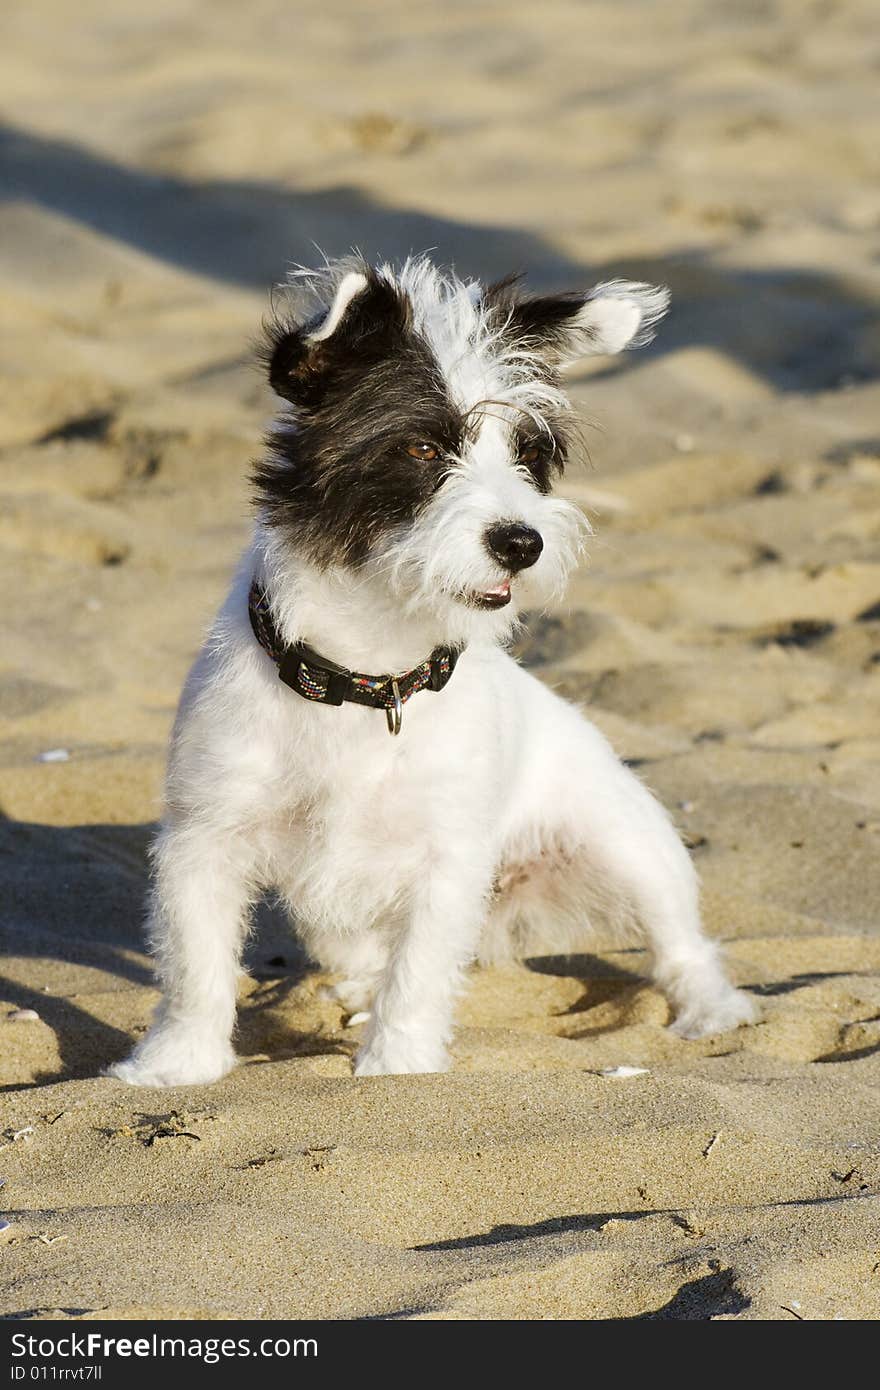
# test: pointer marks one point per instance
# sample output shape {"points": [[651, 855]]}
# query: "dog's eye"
{"points": [[428, 452], [530, 453]]}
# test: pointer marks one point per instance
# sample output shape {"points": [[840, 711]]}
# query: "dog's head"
{"points": [[424, 426]]}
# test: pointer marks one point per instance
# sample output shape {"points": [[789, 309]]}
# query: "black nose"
{"points": [[514, 545]]}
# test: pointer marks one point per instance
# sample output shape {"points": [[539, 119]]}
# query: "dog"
{"points": [[354, 732]]}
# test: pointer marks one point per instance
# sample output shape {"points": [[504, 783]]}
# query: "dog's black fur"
{"points": [[337, 474]]}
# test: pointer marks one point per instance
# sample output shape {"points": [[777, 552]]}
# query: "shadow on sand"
{"points": [[76, 894], [798, 329]]}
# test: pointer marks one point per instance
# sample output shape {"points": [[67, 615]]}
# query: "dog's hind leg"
{"points": [[620, 858], [200, 897]]}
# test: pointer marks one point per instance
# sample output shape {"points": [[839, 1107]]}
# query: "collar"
{"points": [[320, 680]]}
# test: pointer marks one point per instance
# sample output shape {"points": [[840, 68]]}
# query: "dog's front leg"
{"points": [[198, 908], [411, 1022]]}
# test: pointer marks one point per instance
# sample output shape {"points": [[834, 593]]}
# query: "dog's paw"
{"points": [[355, 996], [717, 1012], [399, 1055], [175, 1057]]}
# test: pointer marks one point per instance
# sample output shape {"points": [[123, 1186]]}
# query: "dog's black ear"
{"points": [[564, 327], [364, 318]]}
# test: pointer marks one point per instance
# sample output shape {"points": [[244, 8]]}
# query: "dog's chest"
{"points": [[360, 816]]}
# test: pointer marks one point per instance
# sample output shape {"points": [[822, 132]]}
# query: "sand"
{"points": [[162, 168]]}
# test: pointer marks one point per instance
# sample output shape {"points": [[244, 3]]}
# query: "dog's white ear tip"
{"points": [[622, 314], [351, 285], [653, 302]]}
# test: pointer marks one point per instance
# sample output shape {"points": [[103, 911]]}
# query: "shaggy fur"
{"points": [[404, 502]]}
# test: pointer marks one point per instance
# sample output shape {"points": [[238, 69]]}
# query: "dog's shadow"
{"points": [[74, 895], [71, 895], [278, 963], [603, 982]]}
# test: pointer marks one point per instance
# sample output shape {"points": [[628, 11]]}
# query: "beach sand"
{"points": [[162, 170]]}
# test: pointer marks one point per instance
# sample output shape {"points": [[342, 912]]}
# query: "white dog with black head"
{"points": [[405, 513]]}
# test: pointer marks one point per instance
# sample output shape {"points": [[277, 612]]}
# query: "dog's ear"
{"points": [[366, 311], [565, 327]]}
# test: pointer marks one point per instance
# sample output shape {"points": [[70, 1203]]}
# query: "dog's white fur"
{"points": [[499, 822]]}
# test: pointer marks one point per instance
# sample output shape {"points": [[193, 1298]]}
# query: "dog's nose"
{"points": [[514, 545]]}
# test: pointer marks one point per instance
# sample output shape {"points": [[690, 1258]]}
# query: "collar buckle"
{"points": [[313, 677], [442, 666]]}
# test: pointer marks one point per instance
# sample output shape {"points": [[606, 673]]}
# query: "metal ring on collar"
{"points": [[394, 713]]}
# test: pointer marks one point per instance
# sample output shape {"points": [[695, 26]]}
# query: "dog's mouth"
{"points": [[496, 597]]}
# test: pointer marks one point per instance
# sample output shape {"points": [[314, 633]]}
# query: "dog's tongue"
{"points": [[499, 591]]}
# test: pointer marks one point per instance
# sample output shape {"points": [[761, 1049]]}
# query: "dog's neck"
{"points": [[351, 619]]}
